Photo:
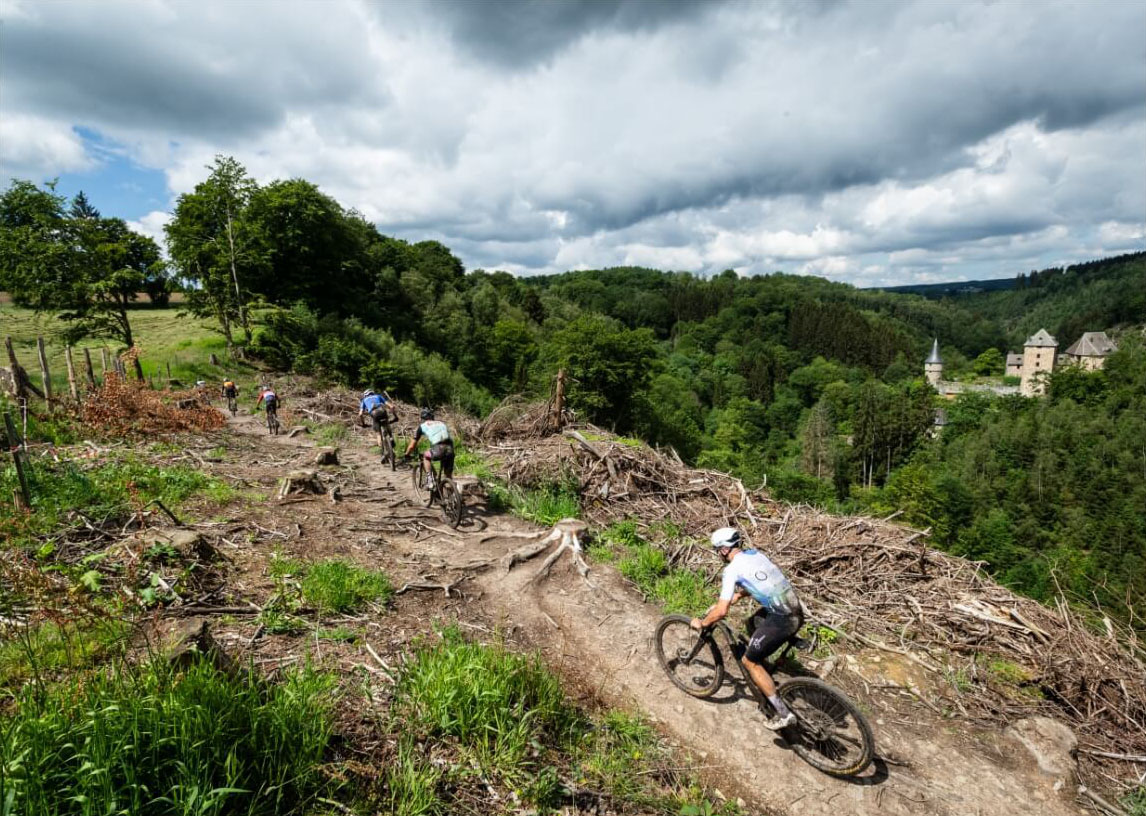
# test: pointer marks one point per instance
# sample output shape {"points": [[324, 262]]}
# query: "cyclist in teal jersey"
{"points": [[441, 445]]}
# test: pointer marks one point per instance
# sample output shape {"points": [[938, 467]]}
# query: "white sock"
{"points": [[778, 704]]}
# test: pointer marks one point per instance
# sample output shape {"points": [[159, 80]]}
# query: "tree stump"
{"points": [[567, 535], [326, 456], [300, 481]]}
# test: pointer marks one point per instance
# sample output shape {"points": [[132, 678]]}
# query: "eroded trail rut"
{"points": [[601, 640]]}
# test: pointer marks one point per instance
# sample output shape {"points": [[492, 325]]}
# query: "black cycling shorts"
{"points": [[379, 418], [769, 630], [443, 451], [272, 406]]}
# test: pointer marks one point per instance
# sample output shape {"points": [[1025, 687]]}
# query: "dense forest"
{"points": [[811, 388]]}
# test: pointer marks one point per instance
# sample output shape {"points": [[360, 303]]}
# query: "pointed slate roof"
{"points": [[1092, 344], [1014, 359], [934, 358], [1041, 338]]}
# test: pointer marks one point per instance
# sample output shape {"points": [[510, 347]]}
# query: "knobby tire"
{"points": [[425, 495], [388, 452], [831, 734], [451, 499], [676, 640]]}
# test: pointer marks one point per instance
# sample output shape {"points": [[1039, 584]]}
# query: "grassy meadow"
{"points": [[162, 335]]}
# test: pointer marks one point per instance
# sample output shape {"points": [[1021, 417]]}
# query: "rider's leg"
{"points": [[771, 630]]}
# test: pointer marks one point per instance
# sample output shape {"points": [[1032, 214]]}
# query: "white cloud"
{"points": [[39, 148], [854, 140], [151, 225]]}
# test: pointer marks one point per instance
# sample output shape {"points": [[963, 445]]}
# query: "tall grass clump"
{"points": [[646, 565], [495, 703], [147, 740], [339, 586]]}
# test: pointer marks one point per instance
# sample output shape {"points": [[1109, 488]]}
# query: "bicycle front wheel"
{"points": [[831, 734], [452, 505], [691, 660], [424, 494]]}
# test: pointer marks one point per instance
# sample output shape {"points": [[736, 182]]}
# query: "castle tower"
{"points": [[933, 365], [1038, 362]]}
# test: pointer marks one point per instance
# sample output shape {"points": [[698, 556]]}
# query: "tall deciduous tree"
{"points": [[213, 247]]}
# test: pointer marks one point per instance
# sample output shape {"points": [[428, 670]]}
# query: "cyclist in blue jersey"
{"points": [[751, 573], [441, 445], [381, 412]]}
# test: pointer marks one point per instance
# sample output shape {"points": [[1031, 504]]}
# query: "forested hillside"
{"points": [[811, 388]]}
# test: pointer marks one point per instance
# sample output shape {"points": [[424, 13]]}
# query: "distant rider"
{"points": [[750, 572], [269, 398], [381, 411], [441, 445], [230, 391]]}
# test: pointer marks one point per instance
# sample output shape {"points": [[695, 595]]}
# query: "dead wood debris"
{"points": [[869, 579]]}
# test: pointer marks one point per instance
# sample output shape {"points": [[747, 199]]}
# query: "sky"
{"points": [[876, 143]]}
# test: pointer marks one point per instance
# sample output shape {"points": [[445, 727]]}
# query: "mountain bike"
{"points": [[233, 405], [441, 489], [830, 733], [273, 421]]}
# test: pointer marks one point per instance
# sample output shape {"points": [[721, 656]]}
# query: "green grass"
{"points": [[45, 651], [145, 740], [339, 586], [331, 433], [113, 486], [646, 565], [1134, 803], [482, 711], [161, 334]]}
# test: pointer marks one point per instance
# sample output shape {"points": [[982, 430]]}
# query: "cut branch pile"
{"points": [[875, 582], [619, 480], [517, 418], [132, 408]]}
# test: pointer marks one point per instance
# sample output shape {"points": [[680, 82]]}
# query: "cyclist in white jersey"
{"points": [[751, 573], [441, 445]]}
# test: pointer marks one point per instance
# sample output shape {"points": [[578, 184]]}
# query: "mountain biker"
{"points": [[441, 445], [230, 391], [269, 398], [750, 572], [381, 412]]}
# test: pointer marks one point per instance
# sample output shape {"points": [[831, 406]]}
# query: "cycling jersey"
{"points": [[435, 430], [269, 398], [371, 402], [760, 578]]}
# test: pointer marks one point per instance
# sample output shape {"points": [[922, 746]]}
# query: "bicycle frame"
{"points": [[736, 647]]}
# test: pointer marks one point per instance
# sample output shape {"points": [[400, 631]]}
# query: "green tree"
{"points": [[608, 367], [212, 246], [989, 364], [86, 268]]}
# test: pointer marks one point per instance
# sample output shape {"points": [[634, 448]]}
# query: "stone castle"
{"points": [[1032, 366]]}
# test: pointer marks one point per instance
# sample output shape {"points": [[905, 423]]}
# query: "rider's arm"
{"points": [[414, 442], [729, 592]]}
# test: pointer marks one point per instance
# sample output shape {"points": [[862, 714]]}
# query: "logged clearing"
{"points": [[962, 681]]}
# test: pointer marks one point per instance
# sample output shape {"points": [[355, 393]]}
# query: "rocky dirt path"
{"points": [[600, 639]]}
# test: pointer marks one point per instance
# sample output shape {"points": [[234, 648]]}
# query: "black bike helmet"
{"points": [[427, 413]]}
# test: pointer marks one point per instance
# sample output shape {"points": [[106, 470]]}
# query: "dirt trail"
{"points": [[601, 640]]}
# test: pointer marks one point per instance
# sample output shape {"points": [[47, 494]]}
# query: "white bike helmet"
{"points": [[725, 537], [367, 393]]}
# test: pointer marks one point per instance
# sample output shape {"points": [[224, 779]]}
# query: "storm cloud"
{"points": [[873, 142]]}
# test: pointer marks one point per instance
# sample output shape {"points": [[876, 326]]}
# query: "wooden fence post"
{"points": [[559, 400], [45, 374], [90, 370], [15, 443], [73, 389], [19, 379], [103, 362]]}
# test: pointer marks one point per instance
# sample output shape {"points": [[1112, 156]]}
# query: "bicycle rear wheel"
{"points": [[388, 452], [452, 505], [831, 734], [691, 660]]}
